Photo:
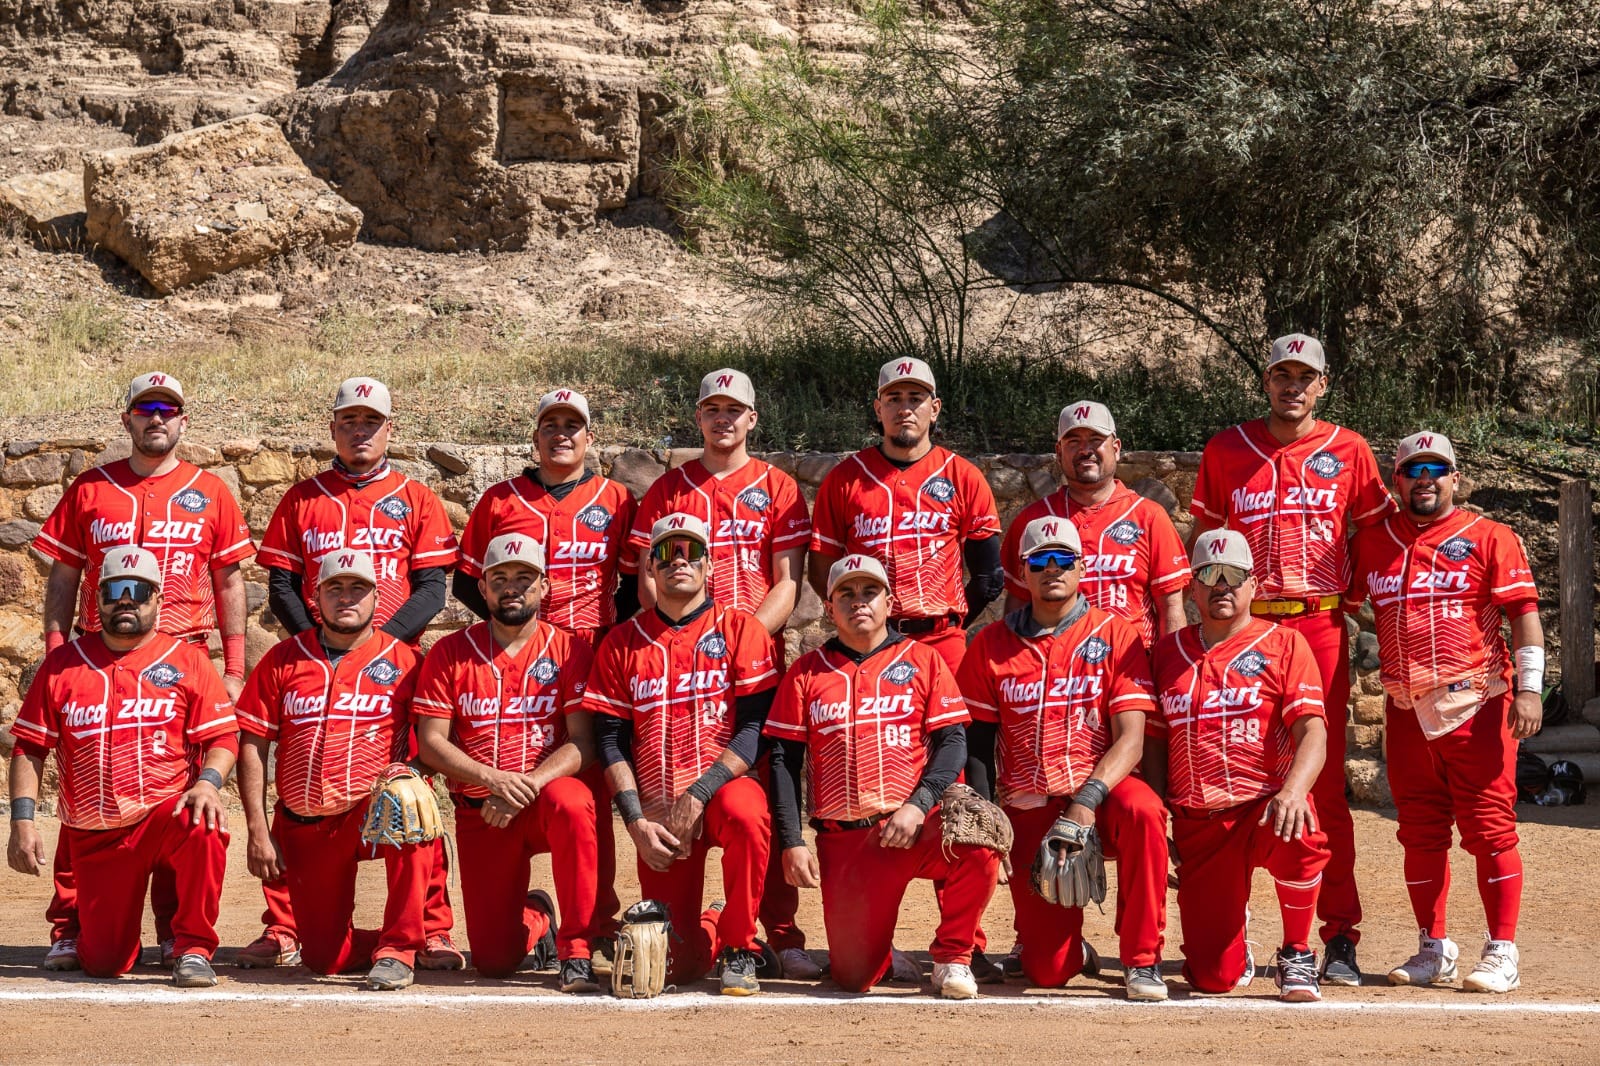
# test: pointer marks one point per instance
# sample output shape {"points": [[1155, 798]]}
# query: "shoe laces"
{"points": [[1496, 955], [957, 969], [741, 962], [1299, 967], [1144, 973]]}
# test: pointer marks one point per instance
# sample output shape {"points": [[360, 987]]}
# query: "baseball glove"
{"points": [[1070, 868], [639, 970], [968, 818], [403, 809]]}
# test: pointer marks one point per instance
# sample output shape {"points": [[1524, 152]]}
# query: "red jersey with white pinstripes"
{"points": [[397, 521], [187, 518], [866, 725], [584, 538], [913, 521], [1439, 591], [753, 513], [337, 725], [505, 711], [1295, 503], [1131, 554], [1226, 713], [679, 686], [127, 729], [1053, 697]]}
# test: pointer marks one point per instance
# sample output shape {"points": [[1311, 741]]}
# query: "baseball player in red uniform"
{"points": [[188, 519], [679, 694], [1297, 488], [144, 734], [1134, 566], [337, 702], [759, 528], [581, 520], [1239, 739], [881, 719], [497, 710], [1059, 692], [1440, 580], [360, 503]]}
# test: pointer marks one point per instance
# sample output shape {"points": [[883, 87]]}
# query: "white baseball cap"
{"points": [[347, 562], [1086, 414], [1298, 348], [1225, 546], [733, 384], [1051, 532], [155, 381], [363, 392], [679, 525], [130, 561], [509, 548], [854, 566], [898, 370], [1425, 445], [557, 399]]}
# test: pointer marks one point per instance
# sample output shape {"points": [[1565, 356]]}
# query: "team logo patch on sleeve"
{"points": [[1456, 549], [900, 673], [1325, 464], [755, 499], [1249, 663], [1094, 650], [939, 488], [192, 500], [713, 646], [162, 675], [543, 670], [382, 671], [1124, 532], [595, 518], [394, 507]]}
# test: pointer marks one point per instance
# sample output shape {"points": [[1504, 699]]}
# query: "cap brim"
{"points": [[900, 381], [842, 578], [155, 390], [1298, 362], [723, 396], [1049, 544], [527, 563], [564, 407], [363, 407], [1414, 456]]}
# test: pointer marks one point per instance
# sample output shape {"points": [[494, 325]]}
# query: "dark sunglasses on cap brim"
{"points": [[119, 588], [1433, 468], [151, 408], [673, 548], [1041, 561], [1214, 574]]}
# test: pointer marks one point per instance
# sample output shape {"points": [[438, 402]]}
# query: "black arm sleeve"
{"points": [[613, 738], [988, 579], [788, 756], [284, 597], [749, 715], [425, 601], [980, 757], [627, 596], [947, 755], [466, 592]]}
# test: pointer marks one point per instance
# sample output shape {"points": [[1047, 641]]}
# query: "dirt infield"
{"points": [[291, 1015]]}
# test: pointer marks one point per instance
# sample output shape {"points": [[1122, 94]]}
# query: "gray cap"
{"points": [[1225, 546], [1298, 348], [854, 566], [363, 392]]}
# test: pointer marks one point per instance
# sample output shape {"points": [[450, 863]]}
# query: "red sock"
{"points": [[1297, 903], [1428, 884], [1500, 885]]}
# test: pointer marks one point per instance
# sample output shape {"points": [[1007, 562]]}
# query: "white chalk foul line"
{"points": [[1448, 1003]]}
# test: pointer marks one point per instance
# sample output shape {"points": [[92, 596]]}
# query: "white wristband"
{"points": [[1530, 669]]}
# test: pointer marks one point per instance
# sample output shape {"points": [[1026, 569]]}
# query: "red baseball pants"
{"points": [[1132, 823], [62, 913], [863, 883], [114, 868], [496, 865], [607, 908], [321, 862], [437, 917], [737, 821], [1466, 777], [1218, 853]]}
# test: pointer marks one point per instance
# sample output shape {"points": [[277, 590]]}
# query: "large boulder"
{"points": [[48, 207], [210, 200]]}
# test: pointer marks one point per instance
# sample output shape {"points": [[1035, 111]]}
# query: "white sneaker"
{"points": [[1496, 971], [1249, 956], [955, 981], [63, 955], [1433, 964], [798, 965]]}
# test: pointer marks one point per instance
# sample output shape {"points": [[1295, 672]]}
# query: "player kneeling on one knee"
{"points": [[139, 790], [497, 711], [881, 719], [1059, 693], [1236, 746]]}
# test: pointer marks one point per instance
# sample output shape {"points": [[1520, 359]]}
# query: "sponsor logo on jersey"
{"points": [[382, 671], [939, 488], [1124, 532], [162, 675], [543, 670], [900, 673], [394, 507], [1325, 464], [1249, 663], [712, 646], [105, 532], [755, 498], [1456, 549], [192, 500], [1094, 650], [595, 518], [75, 714]]}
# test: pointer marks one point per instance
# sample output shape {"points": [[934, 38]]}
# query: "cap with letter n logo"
{"points": [[517, 549], [856, 566], [1226, 546], [898, 371], [155, 381], [1425, 445], [1086, 414], [729, 384], [347, 564], [130, 562], [363, 392], [562, 400], [1050, 532], [1298, 348], [679, 525]]}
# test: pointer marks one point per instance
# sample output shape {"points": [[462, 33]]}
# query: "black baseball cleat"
{"points": [[1339, 964], [1091, 960], [738, 972], [577, 975], [984, 970], [544, 952], [1296, 976]]}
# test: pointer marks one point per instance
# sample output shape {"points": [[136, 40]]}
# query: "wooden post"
{"points": [[1577, 595]]}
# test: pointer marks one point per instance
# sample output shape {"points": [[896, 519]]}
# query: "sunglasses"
{"points": [[134, 588], [1426, 468], [151, 408], [677, 548], [1039, 562], [1214, 574]]}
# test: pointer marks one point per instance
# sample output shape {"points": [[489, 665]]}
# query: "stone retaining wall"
{"points": [[36, 472]]}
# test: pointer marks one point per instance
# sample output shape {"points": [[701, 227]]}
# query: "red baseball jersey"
{"points": [[505, 711], [397, 521], [678, 687], [126, 729], [753, 513], [1131, 554], [337, 725], [584, 538], [187, 518], [913, 521], [1439, 591], [1225, 713], [1053, 697], [1295, 503], [866, 725]]}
